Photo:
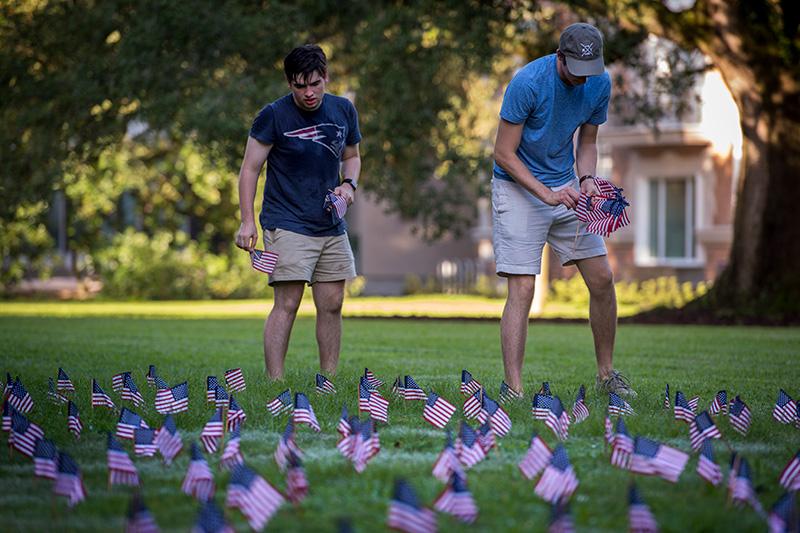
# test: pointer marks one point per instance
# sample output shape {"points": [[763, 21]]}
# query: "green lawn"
{"points": [[698, 360]]}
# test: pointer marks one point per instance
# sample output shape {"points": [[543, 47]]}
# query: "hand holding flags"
{"points": [[336, 205], [603, 212]]}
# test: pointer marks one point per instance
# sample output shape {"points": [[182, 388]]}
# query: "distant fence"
{"points": [[457, 276]]}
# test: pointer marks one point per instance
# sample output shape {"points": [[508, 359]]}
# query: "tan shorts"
{"points": [[309, 259]]}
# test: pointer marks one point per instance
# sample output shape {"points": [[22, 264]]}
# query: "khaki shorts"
{"points": [[522, 224], [309, 259]]}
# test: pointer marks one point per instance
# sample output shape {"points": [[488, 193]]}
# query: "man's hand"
{"points": [[247, 237], [345, 190], [567, 196], [588, 187]]}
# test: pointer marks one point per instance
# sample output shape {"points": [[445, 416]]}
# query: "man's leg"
{"points": [[514, 327], [328, 297], [278, 327], [597, 274]]}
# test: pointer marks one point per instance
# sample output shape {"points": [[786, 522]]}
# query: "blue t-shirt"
{"points": [[551, 111], [304, 162]]}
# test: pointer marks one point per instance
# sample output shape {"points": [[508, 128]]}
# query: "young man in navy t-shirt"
{"points": [[535, 189], [309, 140]]}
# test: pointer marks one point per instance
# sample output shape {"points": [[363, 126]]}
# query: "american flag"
{"points": [[128, 422], [281, 403], [560, 519], [653, 458], [168, 440], [603, 212], [100, 398], [210, 519], [541, 405], [371, 379], [640, 518], [235, 380], [739, 416], [447, 462], [121, 470], [740, 484], [151, 375], [702, 428], [8, 410], [412, 391], [790, 476], [130, 392], [468, 449], [304, 413], [53, 394], [264, 260], [347, 443], [507, 394], [118, 381], [236, 415], [68, 481], [44, 459], [437, 410], [139, 519], [324, 385], [163, 401], [74, 424], [693, 403], [496, 415], [785, 410], [253, 496], [667, 404], [286, 446], [343, 427], [372, 402], [199, 481], [783, 515], [211, 388], [486, 437], [405, 512], [212, 432], [64, 382], [536, 458], [457, 500], [24, 434], [397, 387], [617, 406], [366, 445], [707, 468], [19, 397], [221, 397], [180, 398], [144, 442], [551, 410], [580, 411], [296, 481], [545, 388], [232, 454], [558, 481], [364, 391], [719, 404], [336, 205], [473, 404], [621, 446], [469, 385]]}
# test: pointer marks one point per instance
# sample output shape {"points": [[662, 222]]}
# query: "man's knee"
{"points": [[600, 282], [330, 305], [287, 299], [521, 287]]}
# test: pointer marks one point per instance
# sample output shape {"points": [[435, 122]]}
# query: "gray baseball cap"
{"points": [[582, 45]]}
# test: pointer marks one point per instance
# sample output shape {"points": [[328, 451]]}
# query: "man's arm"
{"points": [[586, 156], [255, 154], [351, 169], [505, 154]]}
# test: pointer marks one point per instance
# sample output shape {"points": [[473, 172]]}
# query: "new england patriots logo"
{"points": [[331, 136]]}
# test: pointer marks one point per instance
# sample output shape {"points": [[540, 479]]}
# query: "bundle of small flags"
{"points": [[336, 205], [603, 212]]}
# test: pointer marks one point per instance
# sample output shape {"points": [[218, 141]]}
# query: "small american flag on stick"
{"points": [[604, 212], [263, 260]]}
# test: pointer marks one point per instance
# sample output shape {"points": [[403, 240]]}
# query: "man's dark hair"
{"points": [[304, 61]]}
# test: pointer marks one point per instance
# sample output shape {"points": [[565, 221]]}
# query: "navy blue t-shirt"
{"points": [[304, 162]]}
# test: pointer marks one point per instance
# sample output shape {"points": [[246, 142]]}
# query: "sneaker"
{"points": [[616, 383]]}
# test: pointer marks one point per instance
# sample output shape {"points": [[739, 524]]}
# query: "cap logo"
{"points": [[587, 49]]}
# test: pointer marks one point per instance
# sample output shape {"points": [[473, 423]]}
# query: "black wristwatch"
{"points": [[350, 182], [584, 178]]}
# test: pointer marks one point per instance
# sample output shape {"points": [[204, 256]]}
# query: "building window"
{"points": [[671, 221]]}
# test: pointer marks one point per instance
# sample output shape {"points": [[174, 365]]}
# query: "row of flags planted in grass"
{"points": [[359, 443]]}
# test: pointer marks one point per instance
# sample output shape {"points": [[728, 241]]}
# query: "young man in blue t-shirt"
{"points": [[309, 140], [535, 189]]}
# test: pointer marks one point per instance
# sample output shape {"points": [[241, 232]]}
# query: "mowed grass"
{"points": [[752, 362]]}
